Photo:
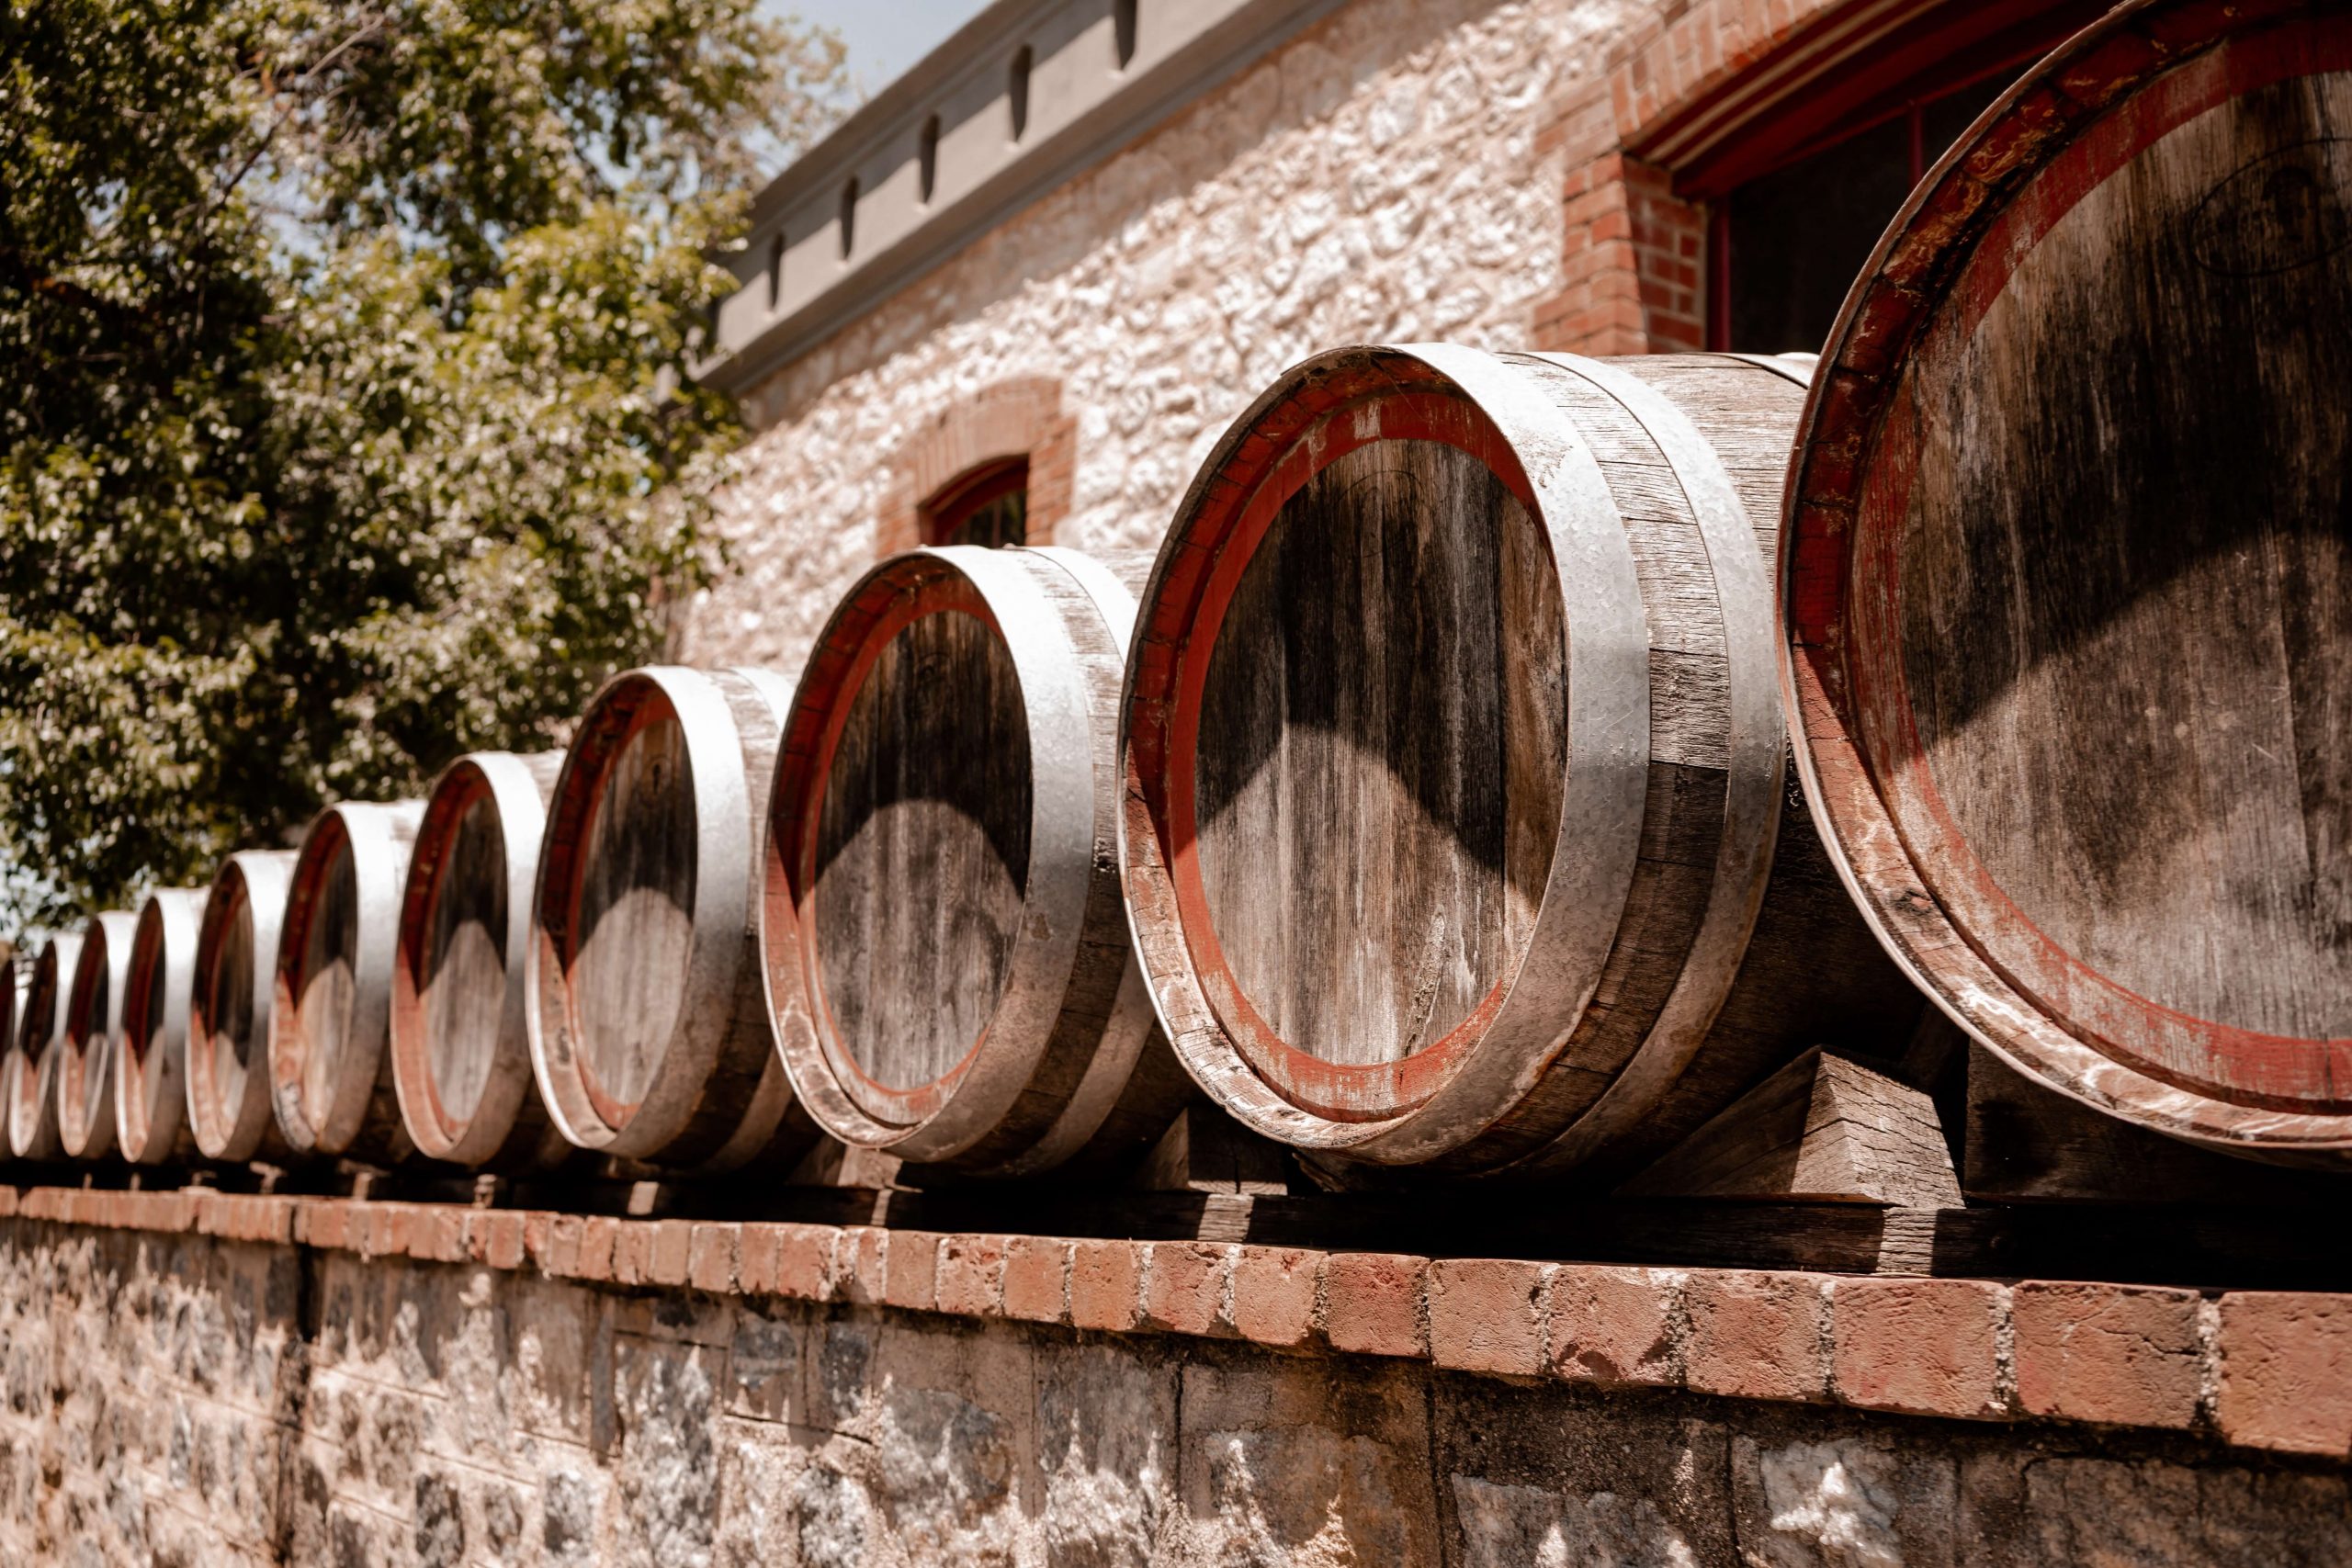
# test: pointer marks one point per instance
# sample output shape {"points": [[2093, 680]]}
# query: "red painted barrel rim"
{"points": [[883, 605], [627, 709], [291, 971], [2034, 156], [436, 1131], [1321, 421]]}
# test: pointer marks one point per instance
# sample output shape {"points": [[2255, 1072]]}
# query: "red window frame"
{"points": [[957, 502]]}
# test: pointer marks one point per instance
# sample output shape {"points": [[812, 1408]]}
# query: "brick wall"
{"points": [[199, 1379]]}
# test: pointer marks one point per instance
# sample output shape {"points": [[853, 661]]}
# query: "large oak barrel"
{"points": [[30, 1069], [648, 1031], [2068, 584], [330, 1073], [13, 985], [946, 952], [85, 1061], [229, 1102], [150, 1077], [1456, 833], [461, 1056]]}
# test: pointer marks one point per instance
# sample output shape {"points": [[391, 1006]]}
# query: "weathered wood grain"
{"points": [[330, 1065], [1455, 772], [947, 956], [2070, 584], [86, 1057], [1825, 1128], [233, 990], [648, 1031], [31, 1069], [460, 1054], [151, 1087]]}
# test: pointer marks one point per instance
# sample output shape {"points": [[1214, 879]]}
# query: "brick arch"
{"points": [[1019, 417]]}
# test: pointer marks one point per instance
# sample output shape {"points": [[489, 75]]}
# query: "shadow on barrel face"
{"points": [[465, 968], [2125, 599], [1379, 768], [330, 992], [227, 1006], [923, 850], [635, 919]]}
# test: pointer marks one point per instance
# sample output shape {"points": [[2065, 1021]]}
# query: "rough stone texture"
{"points": [[193, 1398], [2120, 1353], [1386, 176]]}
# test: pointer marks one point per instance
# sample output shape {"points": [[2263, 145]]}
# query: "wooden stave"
{"points": [[1894, 300], [720, 1100], [12, 1008], [1512, 1130], [361, 1121], [85, 1067], [1046, 1086], [33, 1130], [256, 880], [151, 1096], [510, 1129]]}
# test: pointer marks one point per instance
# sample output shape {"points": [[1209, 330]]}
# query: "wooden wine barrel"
{"points": [[649, 1033], [947, 956], [229, 1109], [461, 1058], [329, 1073], [85, 1062], [31, 1070], [2068, 589], [13, 985], [150, 1080], [1456, 828]]}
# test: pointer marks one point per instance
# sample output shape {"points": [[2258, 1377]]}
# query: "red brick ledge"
{"points": [[2258, 1370]]}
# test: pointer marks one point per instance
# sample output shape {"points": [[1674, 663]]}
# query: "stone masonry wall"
{"points": [[197, 1380], [1390, 176]]}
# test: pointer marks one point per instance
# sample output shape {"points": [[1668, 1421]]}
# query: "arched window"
{"points": [[988, 505], [1802, 167]]}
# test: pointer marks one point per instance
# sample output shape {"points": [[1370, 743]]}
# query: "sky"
{"points": [[885, 37]]}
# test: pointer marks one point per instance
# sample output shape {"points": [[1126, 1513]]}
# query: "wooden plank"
{"points": [[1827, 1128], [2027, 1144]]}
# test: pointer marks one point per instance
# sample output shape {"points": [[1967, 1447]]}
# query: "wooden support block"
{"points": [[2029, 1143], [1205, 1150], [1823, 1129], [835, 1164]]}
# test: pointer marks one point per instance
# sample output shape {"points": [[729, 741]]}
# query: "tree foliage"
{"points": [[347, 423]]}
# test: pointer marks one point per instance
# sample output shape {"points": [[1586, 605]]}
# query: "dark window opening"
{"points": [[927, 158], [1801, 197], [849, 217], [1123, 30], [988, 506], [775, 268], [1018, 89]]}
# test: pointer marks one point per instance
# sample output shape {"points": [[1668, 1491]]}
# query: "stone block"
{"points": [[1274, 1295], [1490, 1315], [1105, 1285], [1617, 1327], [1922, 1347], [1372, 1303], [1036, 1278], [1755, 1335], [2285, 1371], [1185, 1286]]}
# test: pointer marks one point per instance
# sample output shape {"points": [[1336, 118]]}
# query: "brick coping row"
{"points": [[2265, 1370]]}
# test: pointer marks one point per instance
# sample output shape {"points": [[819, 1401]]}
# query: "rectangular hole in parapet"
{"points": [[849, 217], [927, 159], [1018, 89], [1123, 30]]}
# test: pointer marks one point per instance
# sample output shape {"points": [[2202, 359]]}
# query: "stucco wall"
{"points": [[180, 1392], [1387, 176]]}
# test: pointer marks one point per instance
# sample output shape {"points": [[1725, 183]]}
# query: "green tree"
{"points": [[346, 423]]}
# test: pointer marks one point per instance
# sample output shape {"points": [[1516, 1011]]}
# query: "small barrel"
{"points": [[1456, 829], [461, 1056], [86, 1062], [2067, 586], [229, 1109], [330, 1073], [649, 1033], [13, 985], [31, 1068], [946, 950], [150, 1077]]}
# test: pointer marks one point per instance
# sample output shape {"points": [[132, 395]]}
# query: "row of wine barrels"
{"points": [[29, 1070], [649, 1033], [2067, 588], [1456, 829], [229, 1004], [461, 1052], [81, 1069], [331, 1006], [149, 1075], [946, 953]]}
